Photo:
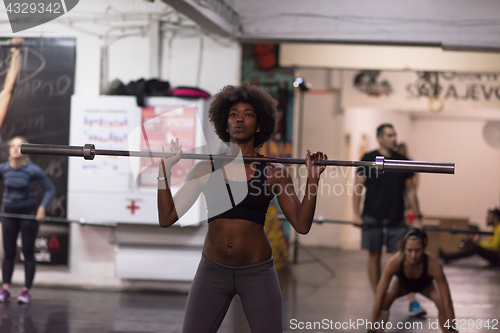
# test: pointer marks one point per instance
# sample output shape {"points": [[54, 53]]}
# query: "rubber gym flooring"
{"points": [[332, 298]]}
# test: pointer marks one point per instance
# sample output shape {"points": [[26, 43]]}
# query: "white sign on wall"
{"points": [[410, 91], [123, 189]]}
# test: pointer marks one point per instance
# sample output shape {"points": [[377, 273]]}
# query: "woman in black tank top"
{"points": [[413, 270], [237, 255]]}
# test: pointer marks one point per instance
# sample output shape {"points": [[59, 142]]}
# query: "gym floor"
{"points": [[311, 293]]}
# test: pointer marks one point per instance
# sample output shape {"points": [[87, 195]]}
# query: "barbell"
{"points": [[457, 231], [81, 221], [321, 220], [382, 164]]}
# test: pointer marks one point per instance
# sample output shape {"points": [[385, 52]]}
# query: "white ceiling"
{"points": [[450, 24]]}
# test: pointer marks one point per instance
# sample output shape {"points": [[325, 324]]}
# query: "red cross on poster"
{"points": [[132, 207]]}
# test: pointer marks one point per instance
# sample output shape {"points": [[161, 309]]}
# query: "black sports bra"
{"points": [[238, 200], [418, 284]]}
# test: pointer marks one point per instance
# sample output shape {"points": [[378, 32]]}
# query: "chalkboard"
{"points": [[40, 104]]}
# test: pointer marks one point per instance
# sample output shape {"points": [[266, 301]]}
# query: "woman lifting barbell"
{"points": [[237, 256]]}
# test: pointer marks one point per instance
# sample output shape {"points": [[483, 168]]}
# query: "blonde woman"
{"points": [[18, 174]]}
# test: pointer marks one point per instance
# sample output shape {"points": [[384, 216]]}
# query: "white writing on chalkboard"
{"points": [[36, 88]]}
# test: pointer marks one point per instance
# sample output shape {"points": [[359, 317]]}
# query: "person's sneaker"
{"points": [[24, 297], [4, 296], [416, 310]]}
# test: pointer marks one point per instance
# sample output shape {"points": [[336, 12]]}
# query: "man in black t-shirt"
{"points": [[382, 219]]}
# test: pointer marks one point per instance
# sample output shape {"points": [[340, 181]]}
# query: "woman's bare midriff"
{"points": [[236, 242]]}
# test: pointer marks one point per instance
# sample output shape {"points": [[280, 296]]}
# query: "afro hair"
{"points": [[263, 104]]}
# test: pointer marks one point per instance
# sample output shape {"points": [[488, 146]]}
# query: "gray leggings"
{"points": [[214, 287]]}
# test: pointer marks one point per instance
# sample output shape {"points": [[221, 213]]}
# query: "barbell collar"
{"points": [[89, 151], [380, 163]]}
